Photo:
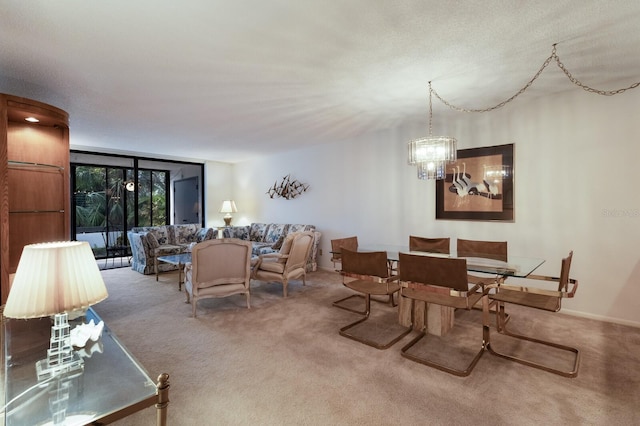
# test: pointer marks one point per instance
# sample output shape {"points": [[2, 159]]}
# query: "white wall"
{"points": [[218, 187], [575, 169]]}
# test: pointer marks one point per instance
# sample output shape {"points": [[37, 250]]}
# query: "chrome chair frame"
{"points": [[440, 281], [536, 298], [351, 243], [371, 277]]}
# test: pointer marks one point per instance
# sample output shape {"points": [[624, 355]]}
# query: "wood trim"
{"points": [[40, 193]]}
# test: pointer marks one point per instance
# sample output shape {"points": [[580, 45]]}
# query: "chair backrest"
{"points": [[563, 283], [438, 271], [221, 261], [431, 245], [372, 263], [350, 243], [496, 250], [299, 252]]}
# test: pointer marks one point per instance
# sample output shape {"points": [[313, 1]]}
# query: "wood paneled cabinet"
{"points": [[34, 179]]}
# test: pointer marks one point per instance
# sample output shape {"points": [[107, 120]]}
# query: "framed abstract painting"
{"points": [[478, 186]]}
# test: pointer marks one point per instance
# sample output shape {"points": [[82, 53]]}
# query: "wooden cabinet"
{"points": [[34, 179]]}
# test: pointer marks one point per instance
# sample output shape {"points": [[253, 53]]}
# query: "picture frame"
{"points": [[479, 186]]}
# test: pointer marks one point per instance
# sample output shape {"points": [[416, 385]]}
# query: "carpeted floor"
{"points": [[283, 363]]}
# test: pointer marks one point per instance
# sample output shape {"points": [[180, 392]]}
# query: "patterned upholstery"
{"points": [[257, 231], [268, 238], [147, 242]]}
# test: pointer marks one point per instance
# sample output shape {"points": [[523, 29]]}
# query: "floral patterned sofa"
{"points": [[150, 241], [268, 238]]}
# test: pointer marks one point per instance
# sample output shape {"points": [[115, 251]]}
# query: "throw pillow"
{"points": [[286, 246], [152, 241]]}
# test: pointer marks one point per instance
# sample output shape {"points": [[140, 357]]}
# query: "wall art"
{"points": [[288, 188], [478, 186]]}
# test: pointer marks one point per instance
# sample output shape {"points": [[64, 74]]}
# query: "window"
{"points": [[112, 194]]}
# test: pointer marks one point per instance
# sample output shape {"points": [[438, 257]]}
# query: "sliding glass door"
{"points": [[108, 201], [113, 193]]}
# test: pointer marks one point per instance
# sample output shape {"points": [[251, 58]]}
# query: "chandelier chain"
{"points": [[553, 56]]}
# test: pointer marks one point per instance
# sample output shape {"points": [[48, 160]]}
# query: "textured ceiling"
{"points": [[227, 80]]}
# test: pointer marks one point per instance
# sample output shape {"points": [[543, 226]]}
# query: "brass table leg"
{"points": [[163, 399]]}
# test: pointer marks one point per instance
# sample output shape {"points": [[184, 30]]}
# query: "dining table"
{"points": [[440, 319]]}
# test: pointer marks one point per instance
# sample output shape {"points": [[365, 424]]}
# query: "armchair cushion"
{"points": [[276, 266]]}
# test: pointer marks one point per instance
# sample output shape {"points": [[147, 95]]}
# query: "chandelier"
{"points": [[431, 154]]}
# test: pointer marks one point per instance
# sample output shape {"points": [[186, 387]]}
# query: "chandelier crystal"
{"points": [[432, 154]]}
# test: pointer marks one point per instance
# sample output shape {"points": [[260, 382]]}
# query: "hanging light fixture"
{"points": [[431, 154]]}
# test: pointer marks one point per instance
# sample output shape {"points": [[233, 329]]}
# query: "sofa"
{"points": [[268, 238], [148, 242]]}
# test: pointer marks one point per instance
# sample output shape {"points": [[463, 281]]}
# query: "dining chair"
{"points": [[289, 263], [367, 273], [430, 245], [350, 243], [219, 268], [496, 250], [536, 298], [439, 281]]}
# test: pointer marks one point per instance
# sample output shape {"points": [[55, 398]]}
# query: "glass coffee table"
{"points": [[111, 386], [176, 259]]}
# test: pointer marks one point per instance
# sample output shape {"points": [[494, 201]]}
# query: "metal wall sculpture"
{"points": [[287, 188]]}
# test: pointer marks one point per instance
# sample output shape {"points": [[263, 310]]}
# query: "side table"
{"points": [[111, 386], [176, 259]]}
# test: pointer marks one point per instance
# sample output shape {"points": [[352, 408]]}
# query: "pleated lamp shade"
{"points": [[54, 278]]}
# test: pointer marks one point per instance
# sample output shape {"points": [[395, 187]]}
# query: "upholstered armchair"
{"points": [[287, 264], [219, 268]]}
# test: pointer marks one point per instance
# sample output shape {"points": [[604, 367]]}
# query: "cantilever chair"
{"points": [[430, 245], [290, 263], [219, 268], [440, 281], [350, 243], [496, 250], [368, 274], [537, 298]]}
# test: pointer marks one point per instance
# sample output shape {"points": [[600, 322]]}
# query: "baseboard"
{"points": [[613, 320], [580, 314]]}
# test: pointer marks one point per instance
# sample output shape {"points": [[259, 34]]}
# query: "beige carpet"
{"points": [[283, 363]]}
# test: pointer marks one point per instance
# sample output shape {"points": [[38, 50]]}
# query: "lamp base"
{"points": [[227, 220], [61, 358], [72, 366]]}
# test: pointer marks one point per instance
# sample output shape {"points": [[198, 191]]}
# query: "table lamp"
{"points": [[55, 279], [228, 207]]}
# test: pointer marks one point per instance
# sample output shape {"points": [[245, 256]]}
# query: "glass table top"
{"points": [[112, 380], [516, 266]]}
